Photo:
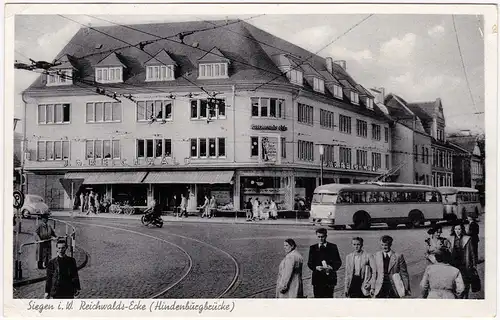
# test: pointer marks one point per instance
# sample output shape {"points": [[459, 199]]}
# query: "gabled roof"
{"points": [[466, 142], [112, 60], [427, 110], [161, 58], [214, 56]]}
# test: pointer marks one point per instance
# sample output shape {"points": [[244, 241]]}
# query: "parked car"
{"points": [[34, 205]]}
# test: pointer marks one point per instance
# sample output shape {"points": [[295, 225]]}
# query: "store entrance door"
{"points": [[164, 195]]}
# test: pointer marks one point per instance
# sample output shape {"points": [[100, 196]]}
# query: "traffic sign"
{"points": [[18, 199]]}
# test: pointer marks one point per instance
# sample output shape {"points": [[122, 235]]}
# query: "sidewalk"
{"points": [[30, 271], [192, 218]]}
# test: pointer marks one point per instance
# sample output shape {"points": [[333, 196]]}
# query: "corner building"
{"points": [[233, 112]]}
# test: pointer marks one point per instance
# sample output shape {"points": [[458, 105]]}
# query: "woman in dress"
{"points": [[273, 210], [289, 283], [435, 242], [462, 256], [441, 280]]}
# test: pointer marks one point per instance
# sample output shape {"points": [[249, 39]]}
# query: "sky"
{"points": [[414, 56]]}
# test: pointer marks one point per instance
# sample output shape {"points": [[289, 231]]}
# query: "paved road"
{"points": [[210, 260]]}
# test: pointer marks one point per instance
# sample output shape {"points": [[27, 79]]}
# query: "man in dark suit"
{"points": [[324, 261], [62, 275]]}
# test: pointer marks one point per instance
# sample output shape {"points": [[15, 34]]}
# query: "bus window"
{"points": [[432, 197], [358, 197], [372, 197]]}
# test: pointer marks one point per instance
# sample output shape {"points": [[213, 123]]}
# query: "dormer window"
{"points": [[295, 76], [337, 91], [109, 75], [160, 73], [319, 85], [354, 97], [60, 77], [369, 103], [212, 70]]}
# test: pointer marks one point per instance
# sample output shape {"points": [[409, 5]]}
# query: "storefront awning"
{"points": [[205, 177], [107, 177]]}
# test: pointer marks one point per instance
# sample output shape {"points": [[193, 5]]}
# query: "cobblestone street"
{"points": [[210, 260]]}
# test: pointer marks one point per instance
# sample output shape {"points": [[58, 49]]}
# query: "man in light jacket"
{"points": [[387, 264], [358, 271]]}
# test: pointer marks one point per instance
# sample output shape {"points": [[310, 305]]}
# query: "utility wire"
{"points": [[162, 38], [314, 54], [462, 60], [133, 46]]}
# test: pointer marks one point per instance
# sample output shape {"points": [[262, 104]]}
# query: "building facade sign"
{"points": [[271, 127], [270, 149], [343, 165]]}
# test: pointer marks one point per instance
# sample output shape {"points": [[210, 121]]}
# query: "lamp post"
{"points": [[321, 152]]}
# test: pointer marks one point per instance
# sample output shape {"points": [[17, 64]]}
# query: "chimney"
{"points": [[379, 94], [341, 63], [329, 64]]}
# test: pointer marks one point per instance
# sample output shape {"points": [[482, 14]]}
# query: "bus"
{"points": [[360, 205], [460, 201]]}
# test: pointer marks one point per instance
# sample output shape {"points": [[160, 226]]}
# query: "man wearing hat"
{"points": [[44, 232]]}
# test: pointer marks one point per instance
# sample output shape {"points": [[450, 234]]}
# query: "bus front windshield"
{"points": [[324, 198]]}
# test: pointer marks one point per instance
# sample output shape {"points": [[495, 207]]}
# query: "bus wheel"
{"points": [[416, 219], [361, 220]]}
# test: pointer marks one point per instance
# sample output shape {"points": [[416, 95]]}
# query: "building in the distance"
{"points": [[411, 143], [208, 111], [468, 162]]}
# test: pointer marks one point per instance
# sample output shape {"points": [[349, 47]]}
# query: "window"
{"points": [[153, 148], [115, 147], [160, 110], [337, 92], [305, 114], [294, 76], [160, 73], [354, 97], [268, 107], [329, 155], [254, 146], [415, 151], [344, 155], [423, 154], [345, 124], [386, 134], [212, 70], [434, 157], [387, 164], [283, 147], [109, 75], [215, 108], [362, 128], [369, 103], [361, 157], [376, 160], [306, 150], [319, 85], [440, 134], [376, 132], [54, 113], [103, 112], [61, 77], [52, 150], [326, 119], [213, 147]]}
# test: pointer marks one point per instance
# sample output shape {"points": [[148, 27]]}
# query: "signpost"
{"points": [[18, 204]]}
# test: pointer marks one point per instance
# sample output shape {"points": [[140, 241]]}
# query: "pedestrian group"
{"points": [[451, 272]]}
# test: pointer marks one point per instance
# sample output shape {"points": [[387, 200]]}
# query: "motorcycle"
{"points": [[148, 218]]}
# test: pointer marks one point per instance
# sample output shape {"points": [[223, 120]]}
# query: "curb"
{"points": [[173, 219], [25, 282]]}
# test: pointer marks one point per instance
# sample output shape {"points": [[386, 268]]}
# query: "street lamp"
{"points": [[321, 152]]}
